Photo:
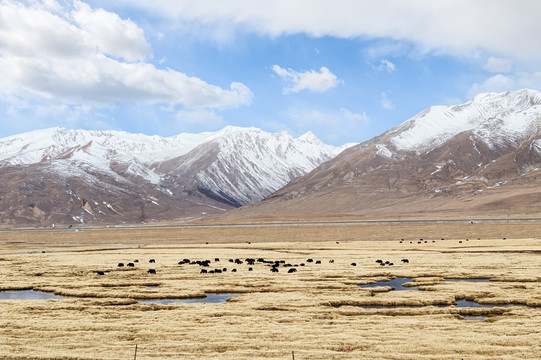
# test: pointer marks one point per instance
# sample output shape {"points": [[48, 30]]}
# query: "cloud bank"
{"points": [[85, 56], [501, 83], [453, 26]]}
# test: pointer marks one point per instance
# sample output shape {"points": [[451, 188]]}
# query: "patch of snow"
{"points": [[383, 151], [438, 169], [501, 183], [211, 206]]}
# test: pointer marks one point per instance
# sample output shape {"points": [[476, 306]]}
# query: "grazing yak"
{"points": [[151, 271]]}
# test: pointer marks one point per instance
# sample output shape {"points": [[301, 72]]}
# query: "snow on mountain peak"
{"points": [[260, 163], [249, 165], [492, 114], [310, 137]]}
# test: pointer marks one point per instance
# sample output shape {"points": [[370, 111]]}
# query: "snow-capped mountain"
{"points": [[52, 174], [497, 120], [483, 155]]}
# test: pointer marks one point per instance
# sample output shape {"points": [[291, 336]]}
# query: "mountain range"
{"points": [[481, 157], [59, 176]]}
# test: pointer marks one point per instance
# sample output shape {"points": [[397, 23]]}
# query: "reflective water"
{"points": [[396, 283], [399, 281], [211, 298], [469, 303], [40, 295], [475, 318], [27, 294]]}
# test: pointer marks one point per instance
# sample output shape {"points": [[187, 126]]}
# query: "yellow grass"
{"points": [[316, 312]]}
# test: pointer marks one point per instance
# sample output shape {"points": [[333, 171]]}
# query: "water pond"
{"points": [[397, 283], [211, 298], [28, 295], [475, 318], [41, 295]]}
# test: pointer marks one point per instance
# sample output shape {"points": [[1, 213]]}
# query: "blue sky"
{"points": [[345, 70]]}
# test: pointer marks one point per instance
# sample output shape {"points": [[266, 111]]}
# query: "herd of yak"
{"points": [[273, 264], [211, 267]]}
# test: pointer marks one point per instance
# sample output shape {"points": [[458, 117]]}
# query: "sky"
{"points": [[346, 70]]}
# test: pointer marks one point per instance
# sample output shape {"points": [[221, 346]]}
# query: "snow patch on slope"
{"points": [[496, 118]]}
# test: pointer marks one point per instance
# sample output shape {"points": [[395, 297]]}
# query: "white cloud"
{"points": [[386, 103], [309, 80], [86, 56], [387, 66], [110, 34], [453, 26], [499, 65], [501, 83]]}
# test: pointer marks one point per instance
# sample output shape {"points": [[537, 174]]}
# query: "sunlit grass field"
{"points": [[317, 312]]}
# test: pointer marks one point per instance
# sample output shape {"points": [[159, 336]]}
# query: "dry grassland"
{"points": [[316, 312]]}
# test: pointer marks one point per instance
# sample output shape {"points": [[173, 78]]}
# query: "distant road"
{"points": [[298, 224]]}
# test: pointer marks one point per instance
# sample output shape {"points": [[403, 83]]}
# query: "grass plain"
{"points": [[317, 312]]}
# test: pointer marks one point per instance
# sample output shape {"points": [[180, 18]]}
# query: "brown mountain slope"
{"points": [[479, 158]]}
